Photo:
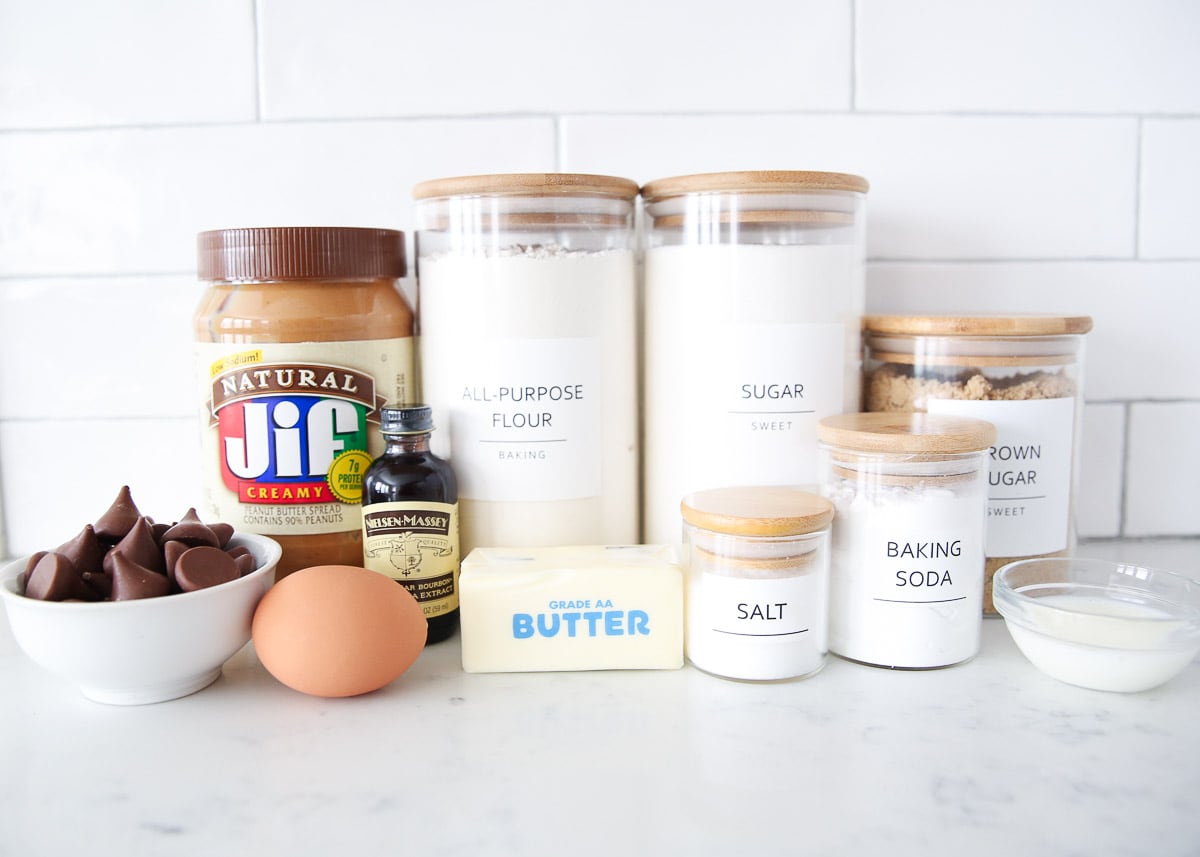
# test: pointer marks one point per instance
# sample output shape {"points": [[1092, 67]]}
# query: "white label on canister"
{"points": [[527, 421], [778, 381], [756, 628], [1029, 472]]}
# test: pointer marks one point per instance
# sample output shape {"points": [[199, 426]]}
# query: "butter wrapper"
{"points": [[592, 607]]}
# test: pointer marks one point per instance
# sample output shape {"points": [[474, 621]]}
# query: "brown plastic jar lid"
{"points": [[906, 433], [528, 184], [754, 181], [760, 511], [977, 325], [274, 253]]}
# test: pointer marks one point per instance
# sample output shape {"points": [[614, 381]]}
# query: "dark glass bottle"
{"points": [[410, 517]]}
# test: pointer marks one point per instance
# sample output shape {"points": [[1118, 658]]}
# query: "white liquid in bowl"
{"points": [[1103, 643]]}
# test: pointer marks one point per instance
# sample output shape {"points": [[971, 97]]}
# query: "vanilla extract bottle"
{"points": [[410, 517]]}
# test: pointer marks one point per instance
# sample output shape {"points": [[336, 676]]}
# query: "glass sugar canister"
{"points": [[757, 581], [528, 353], [1023, 374], [910, 490], [753, 305]]}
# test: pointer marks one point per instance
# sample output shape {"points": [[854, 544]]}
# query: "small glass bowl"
{"points": [[1100, 624]]}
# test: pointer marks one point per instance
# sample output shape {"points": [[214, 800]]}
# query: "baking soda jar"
{"points": [[527, 353], [753, 305], [910, 491], [757, 581], [1023, 374]]}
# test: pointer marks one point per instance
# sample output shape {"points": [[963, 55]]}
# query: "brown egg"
{"points": [[338, 630]]}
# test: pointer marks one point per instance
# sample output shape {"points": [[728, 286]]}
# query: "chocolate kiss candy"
{"points": [[32, 564], [131, 580], [191, 531], [84, 551], [246, 563], [204, 566], [138, 546], [172, 551], [100, 583], [159, 531], [116, 523], [54, 578], [223, 532]]}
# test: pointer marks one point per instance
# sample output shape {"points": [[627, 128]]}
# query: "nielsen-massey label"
{"points": [[286, 429], [415, 542]]}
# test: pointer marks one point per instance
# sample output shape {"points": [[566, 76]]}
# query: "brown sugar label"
{"points": [[286, 429], [415, 542]]}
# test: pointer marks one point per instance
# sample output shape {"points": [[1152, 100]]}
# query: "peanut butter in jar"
{"points": [[301, 337]]}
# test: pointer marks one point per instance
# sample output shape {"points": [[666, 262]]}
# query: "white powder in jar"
{"points": [[906, 585], [527, 356], [746, 347]]}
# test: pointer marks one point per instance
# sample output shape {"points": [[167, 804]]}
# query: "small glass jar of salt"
{"points": [[757, 581], [910, 490]]}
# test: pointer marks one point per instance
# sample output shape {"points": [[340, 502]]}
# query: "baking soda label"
{"points": [[925, 567], [1029, 472], [526, 423], [774, 387], [285, 434]]}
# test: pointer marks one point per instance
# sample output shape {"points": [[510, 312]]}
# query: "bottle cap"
{"points": [[409, 419]]}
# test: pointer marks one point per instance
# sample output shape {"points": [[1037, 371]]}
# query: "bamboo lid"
{"points": [[978, 325], [754, 181], [527, 184], [903, 432], [763, 511]]}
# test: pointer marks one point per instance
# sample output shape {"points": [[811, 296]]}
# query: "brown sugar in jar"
{"points": [[301, 337], [1023, 374]]}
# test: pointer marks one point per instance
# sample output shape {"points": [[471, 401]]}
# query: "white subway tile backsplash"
{"points": [[1101, 471], [1164, 459], [54, 467], [65, 64], [1068, 56], [374, 59], [131, 201], [941, 187], [98, 347], [1170, 199], [1140, 345]]}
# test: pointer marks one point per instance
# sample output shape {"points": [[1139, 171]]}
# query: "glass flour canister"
{"points": [[1023, 374], [528, 353], [753, 305], [300, 337], [910, 490], [757, 581]]}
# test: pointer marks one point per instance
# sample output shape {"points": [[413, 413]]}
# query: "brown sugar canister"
{"points": [[1023, 374], [301, 337]]}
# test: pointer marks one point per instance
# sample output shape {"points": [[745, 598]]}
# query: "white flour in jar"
{"points": [[747, 346], [528, 359], [906, 586]]}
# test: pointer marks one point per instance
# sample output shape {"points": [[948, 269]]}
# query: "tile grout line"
{"points": [[853, 56], [256, 22], [1125, 454], [1139, 169]]}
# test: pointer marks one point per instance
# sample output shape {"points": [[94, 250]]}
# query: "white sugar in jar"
{"points": [[757, 578], [910, 490], [527, 353], [753, 305]]}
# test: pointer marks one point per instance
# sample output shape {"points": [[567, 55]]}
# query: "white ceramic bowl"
{"points": [[147, 650], [1100, 624]]}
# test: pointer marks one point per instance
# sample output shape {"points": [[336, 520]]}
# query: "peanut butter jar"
{"points": [[301, 337]]}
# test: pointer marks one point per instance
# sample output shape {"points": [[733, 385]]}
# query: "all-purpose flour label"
{"points": [[1029, 472], [527, 423]]}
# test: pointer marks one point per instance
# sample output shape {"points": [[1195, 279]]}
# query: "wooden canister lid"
{"points": [[907, 433], [754, 181], [760, 510], [977, 325], [528, 184]]}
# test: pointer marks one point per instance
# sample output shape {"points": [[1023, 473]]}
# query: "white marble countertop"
{"points": [[990, 757]]}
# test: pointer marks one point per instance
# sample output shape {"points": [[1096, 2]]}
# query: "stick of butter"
{"points": [[571, 608]]}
